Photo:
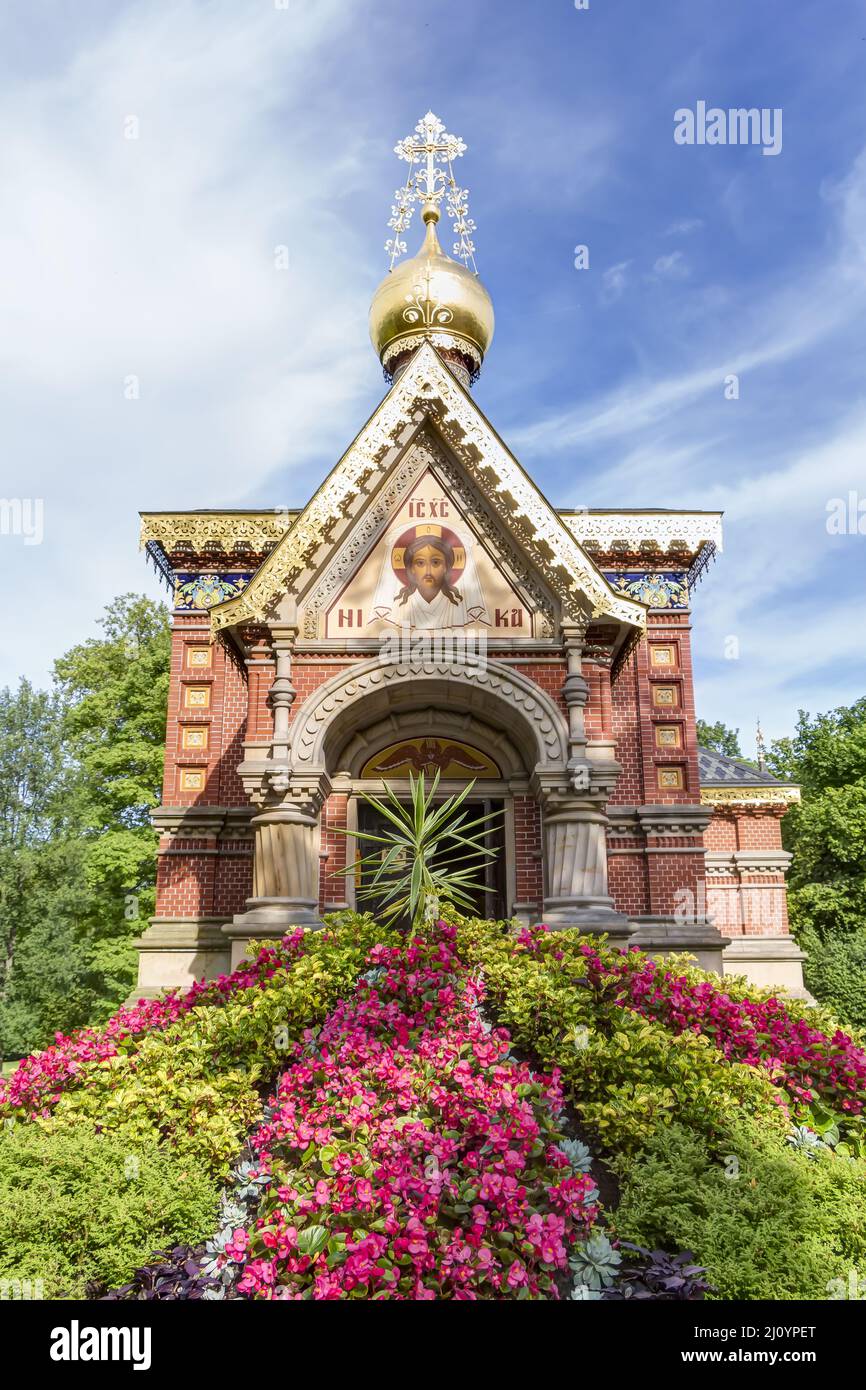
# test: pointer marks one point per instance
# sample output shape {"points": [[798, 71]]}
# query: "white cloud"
{"points": [[684, 227], [671, 267], [614, 281], [155, 257]]}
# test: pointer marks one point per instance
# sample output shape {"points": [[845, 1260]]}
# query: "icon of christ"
{"points": [[438, 586]]}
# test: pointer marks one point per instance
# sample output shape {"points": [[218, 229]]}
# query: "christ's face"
{"points": [[427, 571]]}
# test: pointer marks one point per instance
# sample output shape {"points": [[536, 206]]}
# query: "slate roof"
{"points": [[717, 770]]}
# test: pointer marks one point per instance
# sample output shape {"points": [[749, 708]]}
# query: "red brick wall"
{"points": [[549, 675], [625, 698], [234, 877], [745, 903], [185, 878], [219, 690], [628, 874], [721, 833], [333, 851], [527, 851]]}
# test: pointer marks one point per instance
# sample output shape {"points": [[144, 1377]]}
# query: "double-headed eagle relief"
{"points": [[430, 755]]}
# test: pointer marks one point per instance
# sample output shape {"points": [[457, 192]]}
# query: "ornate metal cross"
{"points": [[428, 152]]}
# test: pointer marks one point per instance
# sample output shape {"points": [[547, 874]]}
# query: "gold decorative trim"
{"points": [[427, 385], [204, 531], [443, 340], [750, 796]]}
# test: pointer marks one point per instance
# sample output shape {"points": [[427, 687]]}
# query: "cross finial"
{"points": [[429, 152], [761, 747]]}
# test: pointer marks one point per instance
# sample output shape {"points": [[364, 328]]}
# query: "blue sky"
{"points": [[261, 126]]}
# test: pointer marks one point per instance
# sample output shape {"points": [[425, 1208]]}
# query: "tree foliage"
{"points": [[719, 738], [80, 769], [827, 834]]}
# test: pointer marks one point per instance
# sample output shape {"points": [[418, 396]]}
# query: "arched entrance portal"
{"points": [[461, 748], [472, 724], [536, 765]]}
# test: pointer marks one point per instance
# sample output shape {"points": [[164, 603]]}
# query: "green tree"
{"points": [[826, 833], [719, 738], [80, 768], [29, 765], [114, 692]]}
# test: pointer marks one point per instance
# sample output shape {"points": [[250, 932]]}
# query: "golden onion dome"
{"points": [[432, 298]]}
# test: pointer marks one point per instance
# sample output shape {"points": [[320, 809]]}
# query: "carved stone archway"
{"points": [[490, 691], [436, 722]]}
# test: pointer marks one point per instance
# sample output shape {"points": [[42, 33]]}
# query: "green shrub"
{"points": [[75, 1206], [626, 1076], [835, 972], [196, 1086], [783, 1228], [172, 1108]]}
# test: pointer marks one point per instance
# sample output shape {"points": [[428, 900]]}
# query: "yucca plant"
{"points": [[406, 881]]}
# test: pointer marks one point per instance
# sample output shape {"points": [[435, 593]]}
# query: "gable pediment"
{"points": [[428, 433], [427, 553]]}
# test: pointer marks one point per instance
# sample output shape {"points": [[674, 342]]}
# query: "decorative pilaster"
{"points": [[286, 827], [574, 816], [285, 868], [282, 693], [575, 693]]}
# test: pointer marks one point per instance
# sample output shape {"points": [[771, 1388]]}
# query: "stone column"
{"points": [[286, 863], [282, 692], [286, 826], [285, 874], [574, 817], [575, 844]]}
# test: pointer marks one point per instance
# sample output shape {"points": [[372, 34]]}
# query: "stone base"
{"points": [[664, 936], [561, 915], [266, 920], [770, 962], [177, 951]]}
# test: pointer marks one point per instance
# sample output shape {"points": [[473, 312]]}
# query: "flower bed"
{"points": [[41, 1079], [407, 1155], [764, 1033]]}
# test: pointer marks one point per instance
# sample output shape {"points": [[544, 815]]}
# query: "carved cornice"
{"points": [[747, 861], [428, 388], [202, 822], [650, 534], [669, 821], [204, 532]]}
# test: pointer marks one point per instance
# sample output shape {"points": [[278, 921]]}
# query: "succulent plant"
{"points": [[656, 1275], [577, 1154], [248, 1181], [806, 1141], [595, 1263]]}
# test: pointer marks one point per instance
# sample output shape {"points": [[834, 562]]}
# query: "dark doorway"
{"points": [[490, 872]]}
